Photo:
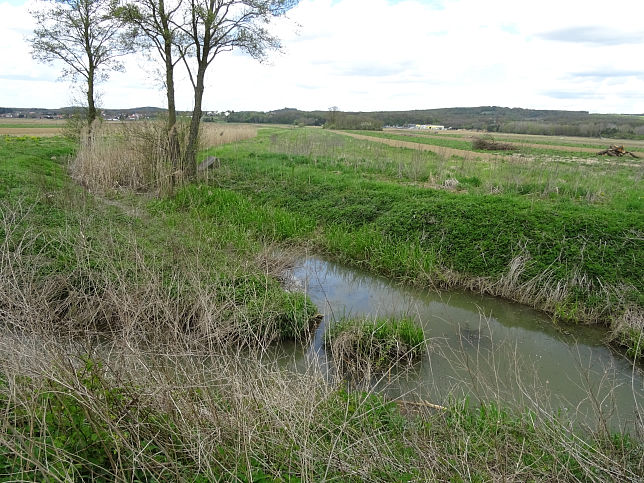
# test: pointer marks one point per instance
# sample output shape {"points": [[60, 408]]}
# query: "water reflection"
{"points": [[481, 347]]}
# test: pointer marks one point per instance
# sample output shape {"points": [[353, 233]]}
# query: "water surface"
{"points": [[482, 347]]}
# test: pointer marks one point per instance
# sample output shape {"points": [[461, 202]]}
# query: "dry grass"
{"points": [[129, 155], [106, 374], [215, 134], [111, 286], [135, 156]]}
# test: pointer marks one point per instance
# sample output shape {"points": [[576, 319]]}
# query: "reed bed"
{"points": [[216, 134]]}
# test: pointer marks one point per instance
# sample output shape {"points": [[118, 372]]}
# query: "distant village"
{"points": [[67, 112]]}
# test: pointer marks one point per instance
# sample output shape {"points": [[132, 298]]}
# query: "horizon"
{"points": [[205, 110]]}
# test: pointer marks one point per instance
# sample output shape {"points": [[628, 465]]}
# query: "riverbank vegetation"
{"points": [[561, 237], [365, 346], [135, 328]]}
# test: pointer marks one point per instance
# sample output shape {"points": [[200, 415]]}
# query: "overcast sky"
{"points": [[368, 55]]}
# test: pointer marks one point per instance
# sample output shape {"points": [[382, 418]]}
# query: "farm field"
{"points": [[568, 141], [147, 318], [521, 144], [31, 127]]}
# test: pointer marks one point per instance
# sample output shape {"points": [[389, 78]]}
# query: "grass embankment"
{"points": [[579, 261], [131, 350]]}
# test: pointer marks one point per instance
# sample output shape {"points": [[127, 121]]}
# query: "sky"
{"points": [[371, 55]]}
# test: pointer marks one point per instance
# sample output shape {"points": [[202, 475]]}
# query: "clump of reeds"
{"points": [[142, 155], [363, 346], [135, 156]]}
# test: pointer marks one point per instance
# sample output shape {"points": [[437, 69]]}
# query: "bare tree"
{"points": [[216, 26], [158, 26], [85, 37]]}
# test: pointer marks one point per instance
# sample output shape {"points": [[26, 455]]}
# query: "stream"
{"points": [[480, 347]]}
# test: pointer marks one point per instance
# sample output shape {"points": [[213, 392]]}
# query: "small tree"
{"points": [[85, 37], [156, 22], [215, 26]]}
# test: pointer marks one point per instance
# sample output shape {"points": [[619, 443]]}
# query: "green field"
{"points": [[136, 325]]}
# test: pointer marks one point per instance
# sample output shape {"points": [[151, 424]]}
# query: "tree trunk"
{"points": [[91, 107], [190, 164], [173, 139]]}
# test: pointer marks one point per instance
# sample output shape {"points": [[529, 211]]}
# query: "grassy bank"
{"points": [[133, 344], [576, 259]]}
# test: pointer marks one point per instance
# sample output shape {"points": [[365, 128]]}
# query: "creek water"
{"points": [[481, 347]]}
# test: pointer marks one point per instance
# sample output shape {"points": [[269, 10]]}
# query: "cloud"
{"points": [[18, 77], [389, 55], [595, 35], [571, 94], [607, 73], [376, 69]]}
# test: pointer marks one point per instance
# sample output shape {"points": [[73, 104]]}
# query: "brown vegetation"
{"points": [[488, 143], [616, 150]]}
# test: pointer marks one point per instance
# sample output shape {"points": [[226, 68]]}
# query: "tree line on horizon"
{"points": [[483, 118]]}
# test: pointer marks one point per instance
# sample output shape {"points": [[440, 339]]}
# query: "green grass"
{"points": [[578, 260], [94, 247], [379, 343], [145, 400], [535, 177], [413, 138], [470, 233]]}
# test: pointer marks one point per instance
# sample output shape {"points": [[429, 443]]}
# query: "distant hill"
{"points": [[483, 118]]}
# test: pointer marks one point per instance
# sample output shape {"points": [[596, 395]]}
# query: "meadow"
{"points": [[31, 127], [137, 314]]}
